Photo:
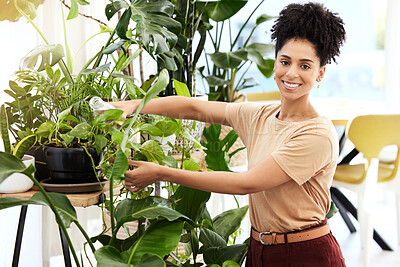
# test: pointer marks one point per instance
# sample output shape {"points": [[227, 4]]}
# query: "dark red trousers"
{"points": [[320, 252]]}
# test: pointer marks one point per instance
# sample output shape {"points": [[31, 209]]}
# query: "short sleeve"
{"points": [[304, 155], [240, 117]]}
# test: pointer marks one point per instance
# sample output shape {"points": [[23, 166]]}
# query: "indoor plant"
{"points": [[17, 182]]}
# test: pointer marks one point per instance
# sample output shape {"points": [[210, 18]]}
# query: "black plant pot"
{"points": [[40, 162], [71, 165]]}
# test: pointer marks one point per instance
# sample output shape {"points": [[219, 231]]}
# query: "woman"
{"points": [[292, 150]]}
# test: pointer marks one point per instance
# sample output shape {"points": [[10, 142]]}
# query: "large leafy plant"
{"points": [[226, 68], [166, 219]]}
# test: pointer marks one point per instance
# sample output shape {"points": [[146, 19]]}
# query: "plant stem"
{"points": [[61, 62], [84, 15], [244, 25], [85, 235], [30, 21]]}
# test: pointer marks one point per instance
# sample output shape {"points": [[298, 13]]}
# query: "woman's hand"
{"points": [[128, 107], [143, 174]]}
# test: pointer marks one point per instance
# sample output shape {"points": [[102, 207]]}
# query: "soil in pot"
{"points": [[71, 165]]}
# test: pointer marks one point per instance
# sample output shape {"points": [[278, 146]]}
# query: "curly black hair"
{"points": [[312, 22]]}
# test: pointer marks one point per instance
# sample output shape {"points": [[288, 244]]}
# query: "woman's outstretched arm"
{"points": [[265, 175], [178, 107]]}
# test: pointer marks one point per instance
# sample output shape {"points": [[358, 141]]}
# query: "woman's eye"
{"points": [[284, 62], [306, 67]]}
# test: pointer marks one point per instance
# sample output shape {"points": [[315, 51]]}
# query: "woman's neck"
{"points": [[297, 110]]}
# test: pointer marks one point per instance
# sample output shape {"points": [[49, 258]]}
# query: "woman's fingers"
{"points": [[134, 163]]}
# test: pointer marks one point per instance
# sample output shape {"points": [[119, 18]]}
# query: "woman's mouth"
{"points": [[291, 86]]}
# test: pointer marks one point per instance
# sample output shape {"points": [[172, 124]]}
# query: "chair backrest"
{"points": [[259, 96], [371, 133]]}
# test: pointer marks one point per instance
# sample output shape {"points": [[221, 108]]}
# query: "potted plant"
{"points": [[165, 218], [17, 182]]}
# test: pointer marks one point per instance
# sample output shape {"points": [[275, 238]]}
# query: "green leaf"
{"points": [[167, 127], [81, 130], [45, 129], [218, 255], [9, 12], [189, 137], [113, 114], [152, 213], [63, 114], [211, 239], [101, 142], [170, 161], [10, 164], [161, 238], [63, 206], [67, 138], [129, 206], [269, 70], [4, 129], [123, 23], [153, 23], [216, 81], [332, 210], [166, 61], [117, 137], [24, 145], [229, 221], [132, 57], [230, 263], [120, 165], [151, 260], [190, 202], [153, 151], [114, 7], [99, 69], [216, 156], [221, 10], [159, 85], [109, 256], [181, 88], [190, 165], [264, 18], [73, 11], [49, 55], [228, 60], [151, 129], [19, 91]]}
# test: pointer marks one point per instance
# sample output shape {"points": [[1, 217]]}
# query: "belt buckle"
{"points": [[266, 233]]}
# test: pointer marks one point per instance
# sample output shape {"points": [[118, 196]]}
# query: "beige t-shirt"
{"points": [[306, 150]]}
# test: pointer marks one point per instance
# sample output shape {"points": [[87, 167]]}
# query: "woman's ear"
{"points": [[321, 73]]}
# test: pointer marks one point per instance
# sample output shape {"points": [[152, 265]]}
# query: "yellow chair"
{"points": [[259, 96], [370, 134]]}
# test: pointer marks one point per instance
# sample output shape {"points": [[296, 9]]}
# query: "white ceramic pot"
{"points": [[18, 182]]}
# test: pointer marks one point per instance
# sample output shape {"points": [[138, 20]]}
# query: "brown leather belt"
{"points": [[269, 238]]}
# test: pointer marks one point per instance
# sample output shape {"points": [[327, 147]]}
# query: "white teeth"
{"points": [[291, 85]]}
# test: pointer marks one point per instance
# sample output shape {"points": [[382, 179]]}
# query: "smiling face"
{"points": [[297, 68]]}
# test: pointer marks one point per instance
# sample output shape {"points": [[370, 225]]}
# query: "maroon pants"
{"points": [[320, 252]]}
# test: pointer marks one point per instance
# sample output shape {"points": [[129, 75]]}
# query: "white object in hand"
{"points": [[98, 105]]}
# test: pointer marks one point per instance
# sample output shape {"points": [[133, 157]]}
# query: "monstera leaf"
{"points": [[159, 32], [49, 55], [9, 12]]}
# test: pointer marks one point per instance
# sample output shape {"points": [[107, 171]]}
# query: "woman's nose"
{"points": [[292, 71]]}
